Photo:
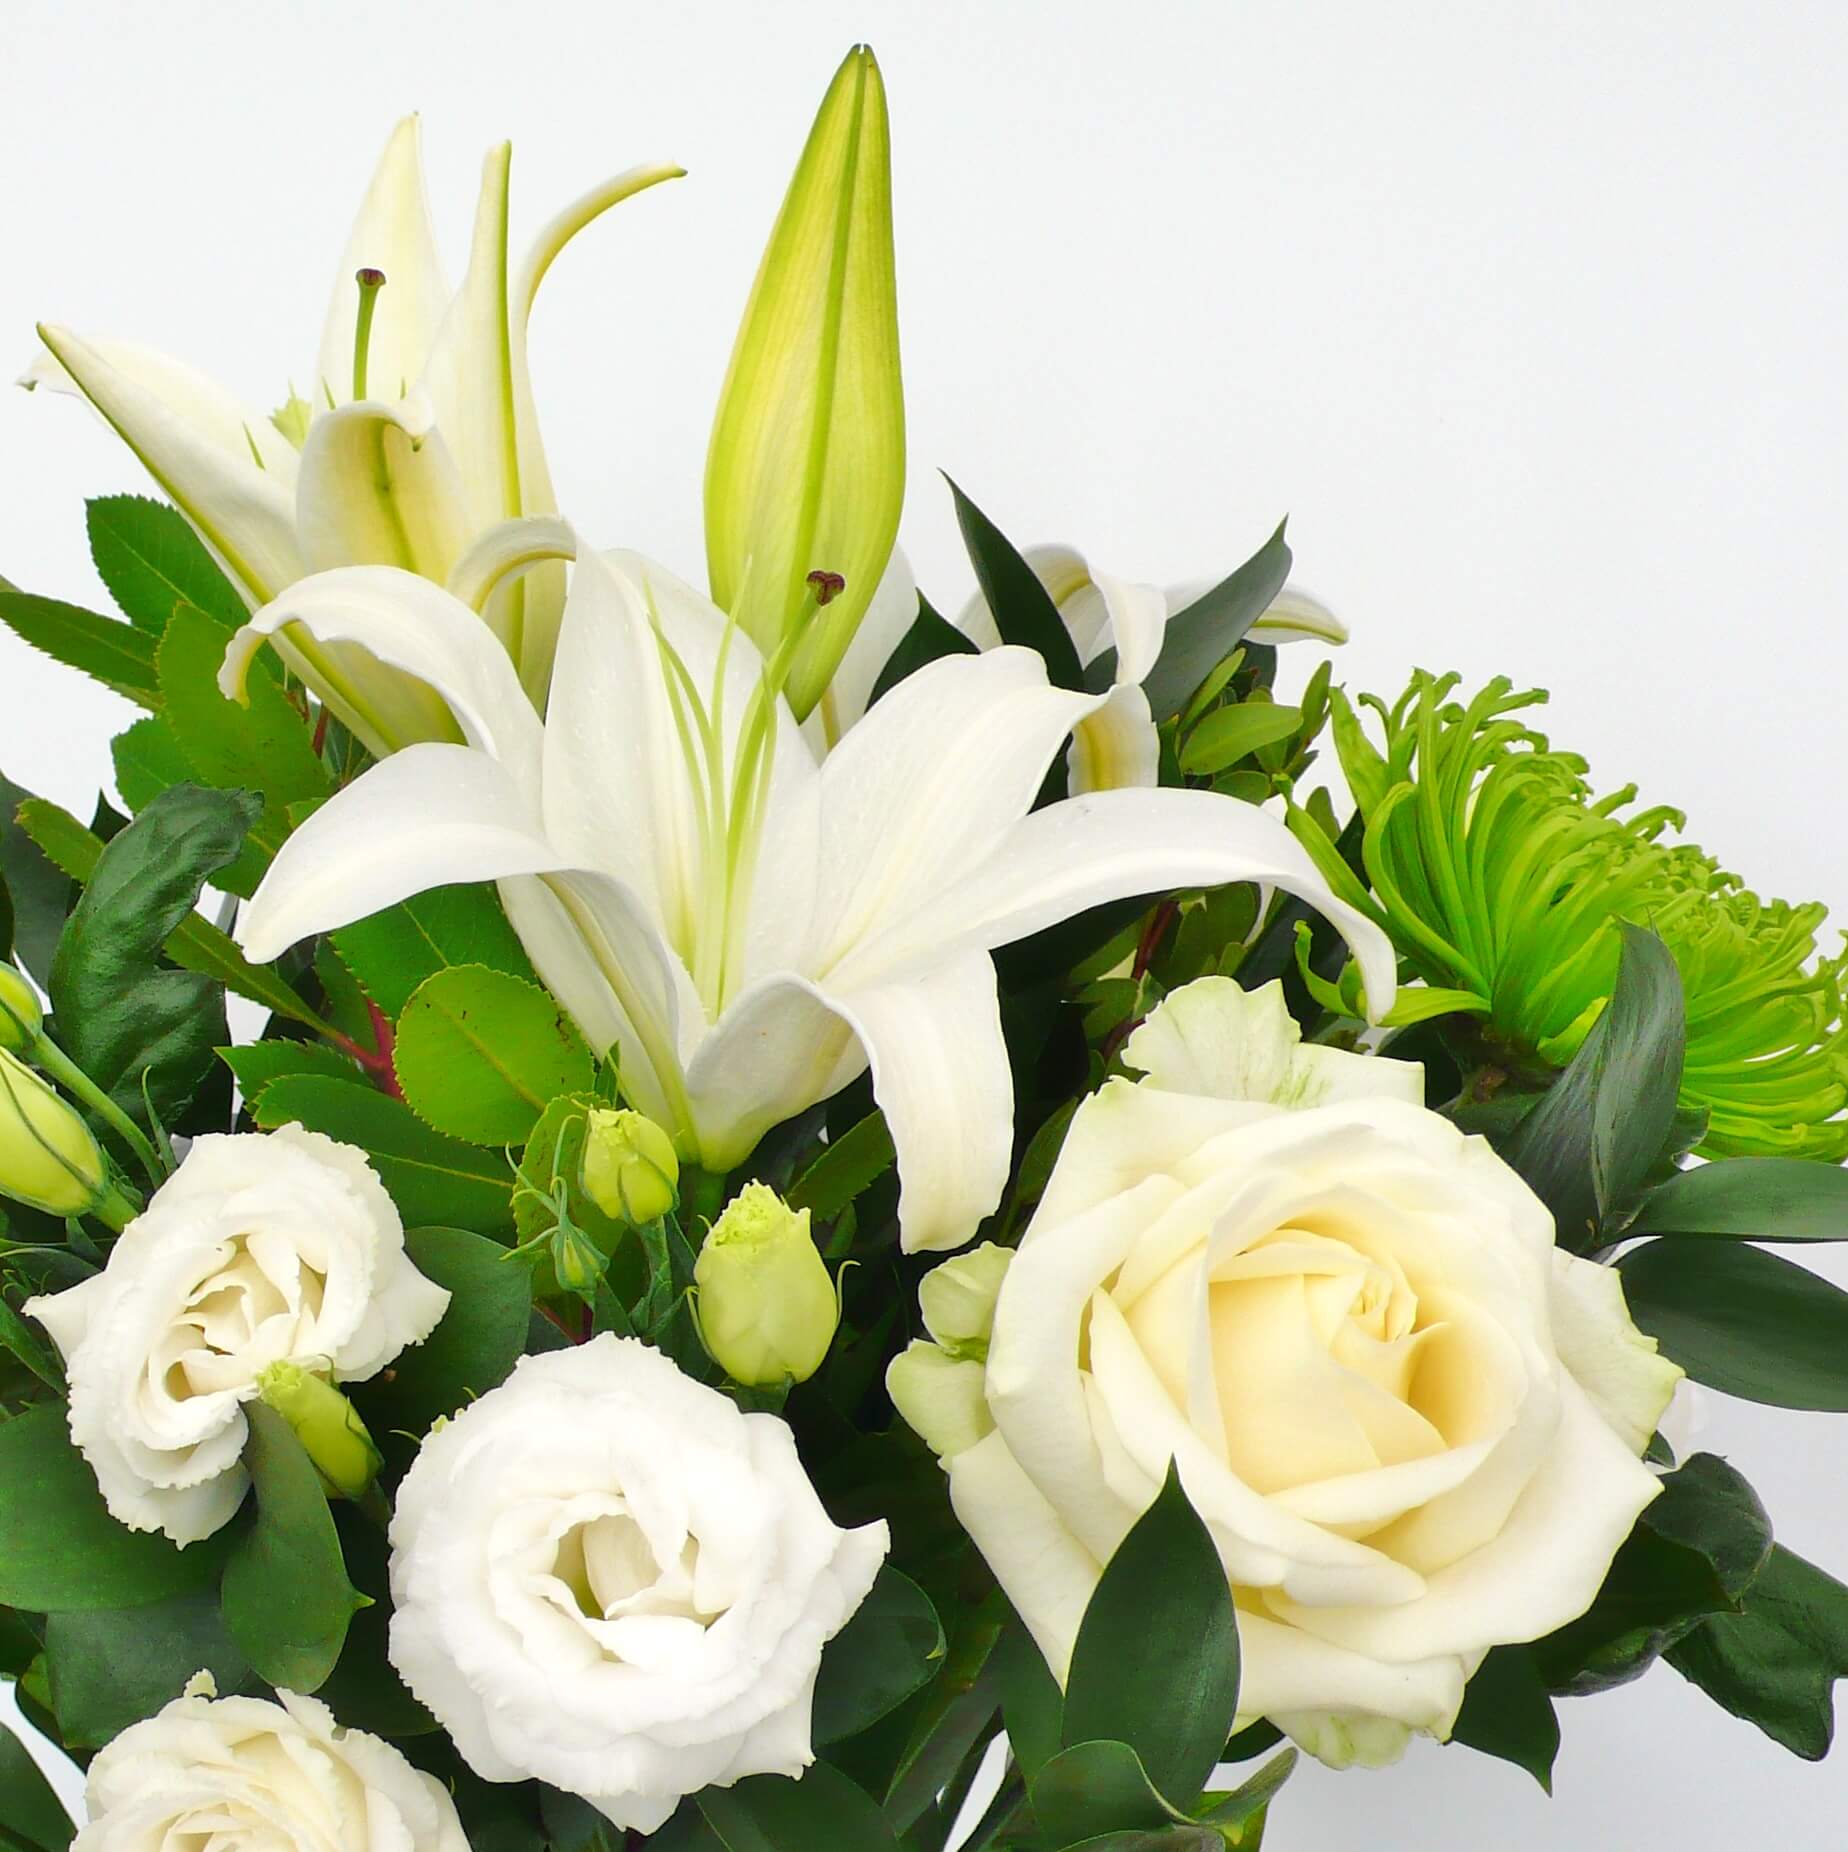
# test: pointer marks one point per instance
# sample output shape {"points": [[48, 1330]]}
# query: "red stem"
{"points": [[320, 731], [376, 1061], [1152, 935]]}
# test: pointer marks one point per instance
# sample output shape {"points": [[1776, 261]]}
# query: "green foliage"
{"points": [[152, 561], [1229, 734], [771, 1813], [846, 1166], [257, 1064], [1757, 1198], [393, 952], [287, 1600], [433, 1179], [113, 653], [1508, 1712], [891, 1646], [480, 1054], [32, 1817], [929, 637], [1022, 607], [38, 892], [60, 1550], [125, 1016]]}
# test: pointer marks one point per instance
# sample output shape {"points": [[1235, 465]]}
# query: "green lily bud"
{"points": [[631, 1171], [48, 1159], [958, 1299], [326, 1423], [20, 1014], [767, 1309], [806, 470]]}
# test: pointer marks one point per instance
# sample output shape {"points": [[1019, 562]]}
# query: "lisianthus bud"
{"points": [[20, 1015], [48, 1158], [958, 1299], [630, 1168], [767, 1309], [325, 1422]]}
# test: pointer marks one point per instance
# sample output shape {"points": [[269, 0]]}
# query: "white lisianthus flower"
{"points": [[1411, 1424], [608, 1576], [261, 1248], [245, 1772]]}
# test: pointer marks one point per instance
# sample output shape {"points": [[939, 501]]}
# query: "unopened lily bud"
{"points": [[326, 1423], [630, 1169], [48, 1159], [958, 1299], [767, 1309], [20, 1014]]}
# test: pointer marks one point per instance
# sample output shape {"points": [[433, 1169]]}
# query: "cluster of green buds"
{"points": [[1502, 879], [766, 1307]]}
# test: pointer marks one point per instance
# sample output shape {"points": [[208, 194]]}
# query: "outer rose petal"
{"points": [[1629, 1381]]}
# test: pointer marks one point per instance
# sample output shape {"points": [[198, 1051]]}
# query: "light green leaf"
{"points": [[109, 651], [1229, 734], [151, 561], [392, 952], [257, 1064]]}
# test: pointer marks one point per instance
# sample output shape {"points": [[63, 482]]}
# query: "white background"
{"points": [[1530, 316]]}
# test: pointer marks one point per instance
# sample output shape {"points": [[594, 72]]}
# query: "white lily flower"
{"points": [[749, 929], [416, 435]]}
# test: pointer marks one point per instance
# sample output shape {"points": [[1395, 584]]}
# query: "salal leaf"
{"points": [[393, 952], [1021, 606], [103, 648], [152, 561], [1753, 1198]]}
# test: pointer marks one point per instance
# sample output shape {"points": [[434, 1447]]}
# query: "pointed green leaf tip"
{"points": [[806, 471]]}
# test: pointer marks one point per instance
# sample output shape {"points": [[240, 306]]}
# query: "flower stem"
{"points": [[47, 1055]]}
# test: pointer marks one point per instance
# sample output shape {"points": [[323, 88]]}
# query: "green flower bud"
{"points": [[958, 1299], [48, 1158], [767, 1309], [942, 1398], [577, 1262], [630, 1169], [326, 1423], [20, 1015]]}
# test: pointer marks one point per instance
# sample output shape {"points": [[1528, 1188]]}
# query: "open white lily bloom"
{"points": [[748, 929], [416, 434]]}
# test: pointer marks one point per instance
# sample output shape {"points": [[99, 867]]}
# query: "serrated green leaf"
{"points": [[845, 1168], [434, 1180], [1021, 606], [257, 1064], [103, 648], [151, 561], [1228, 734], [393, 952], [892, 1645], [480, 1055], [148, 760]]}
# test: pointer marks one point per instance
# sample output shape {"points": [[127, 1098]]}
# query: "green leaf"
{"points": [[1244, 1807], [113, 653], [1032, 1705], [1741, 1320], [32, 1350], [151, 561], [951, 1716], [1175, 1838], [891, 1646], [1022, 607], [473, 1348], [59, 1548], [1156, 1662], [257, 1064], [433, 1179], [1591, 1141], [929, 638], [1754, 1198], [1775, 1663], [554, 1154], [771, 1813], [845, 1167], [364, 1690], [1095, 1787], [111, 1667], [1228, 734], [39, 892], [480, 1054], [123, 1013], [1199, 638], [1508, 1712], [393, 952], [148, 758], [31, 1815], [287, 1600]]}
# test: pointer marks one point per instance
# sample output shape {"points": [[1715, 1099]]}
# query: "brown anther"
{"points": [[827, 586]]}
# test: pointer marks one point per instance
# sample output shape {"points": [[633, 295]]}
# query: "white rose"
{"points": [[244, 1772], [1409, 1422], [608, 1576], [260, 1247]]}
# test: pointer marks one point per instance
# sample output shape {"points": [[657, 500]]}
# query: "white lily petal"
{"points": [[393, 234], [564, 225], [229, 472], [1117, 747], [1294, 615], [426, 817], [508, 549], [1137, 620], [1061, 569]]}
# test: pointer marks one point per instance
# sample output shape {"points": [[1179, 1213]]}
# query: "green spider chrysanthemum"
{"points": [[1502, 880]]}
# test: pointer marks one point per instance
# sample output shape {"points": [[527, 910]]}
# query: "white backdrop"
{"points": [[1529, 315]]}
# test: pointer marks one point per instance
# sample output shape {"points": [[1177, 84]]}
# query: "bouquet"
{"points": [[758, 1219]]}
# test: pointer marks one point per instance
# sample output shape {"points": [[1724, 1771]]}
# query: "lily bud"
{"points": [[631, 1171], [326, 1423], [20, 1014], [806, 470], [48, 1159], [767, 1309], [958, 1299]]}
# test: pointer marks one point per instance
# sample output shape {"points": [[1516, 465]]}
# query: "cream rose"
{"points": [[245, 1772], [608, 1576], [1411, 1424], [261, 1247]]}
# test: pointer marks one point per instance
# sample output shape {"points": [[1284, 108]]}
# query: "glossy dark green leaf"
{"points": [[59, 1548], [1741, 1320], [1032, 1705], [103, 648], [40, 891], [771, 1813], [892, 1645], [1508, 1712], [30, 1811], [1752, 1198], [112, 1667], [364, 1690], [1092, 1788], [1587, 1147], [123, 1012], [393, 952], [287, 1599], [434, 1180], [1156, 1662], [1022, 607], [929, 638], [152, 561], [954, 1712], [845, 1168], [1776, 1662]]}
